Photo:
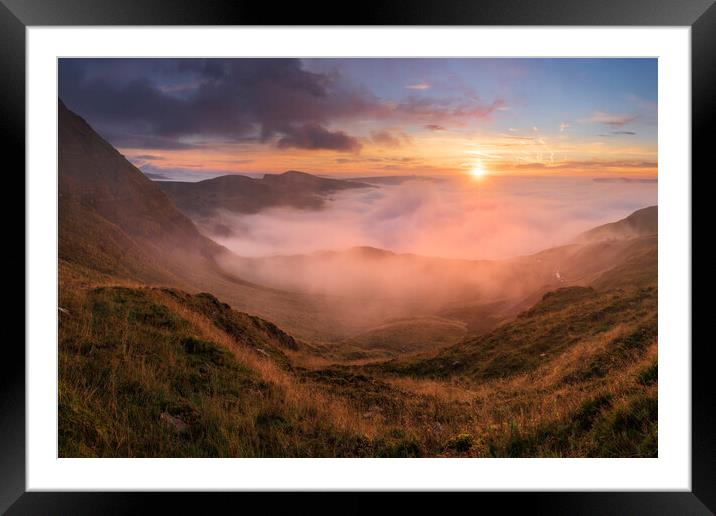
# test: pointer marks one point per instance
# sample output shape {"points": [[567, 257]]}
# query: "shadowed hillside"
{"points": [[112, 218]]}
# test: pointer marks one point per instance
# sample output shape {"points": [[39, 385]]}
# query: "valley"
{"points": [[173, 345]]}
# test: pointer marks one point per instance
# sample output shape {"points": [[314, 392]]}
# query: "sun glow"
{"points": [[478, 172]]}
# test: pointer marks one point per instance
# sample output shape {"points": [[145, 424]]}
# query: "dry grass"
{"points": [[306, 398], [123, 367]]}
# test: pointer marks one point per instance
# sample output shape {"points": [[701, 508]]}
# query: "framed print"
{"points": [[440, 248]]}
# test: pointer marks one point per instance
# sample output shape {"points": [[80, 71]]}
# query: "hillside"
{"points": [[161, 373], [565, 318], [242, 194], [112, 218], [641, 223]]}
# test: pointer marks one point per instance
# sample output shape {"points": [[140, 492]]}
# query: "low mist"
{"points": [[491, 218], [425, 247]]}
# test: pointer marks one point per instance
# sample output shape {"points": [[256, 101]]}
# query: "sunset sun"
{"points": [[478, 172]]}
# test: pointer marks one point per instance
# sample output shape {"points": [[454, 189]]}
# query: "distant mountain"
{"points": [[642, 222], [243, 194]]}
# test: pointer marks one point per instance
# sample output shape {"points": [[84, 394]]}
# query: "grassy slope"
{"points": [[131, 359], [563, 319], [158, 372], [403, 336]]}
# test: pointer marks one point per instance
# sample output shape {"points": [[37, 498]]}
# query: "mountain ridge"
{"points": [[238, 194]]}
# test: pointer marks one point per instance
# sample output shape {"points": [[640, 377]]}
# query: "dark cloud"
{"points": [[173, 103], [229, 98], [313, 136], [434, 127]]}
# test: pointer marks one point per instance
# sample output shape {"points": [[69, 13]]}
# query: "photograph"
{"points": [[353, 257]]}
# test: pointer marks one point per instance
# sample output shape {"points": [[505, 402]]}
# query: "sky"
{"points": [[198, 118]]}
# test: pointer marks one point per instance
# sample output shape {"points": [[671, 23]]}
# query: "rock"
{"points": [[372, 411], [175, 422]]}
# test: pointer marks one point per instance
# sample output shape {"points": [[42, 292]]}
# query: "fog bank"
{"points": [[489, 218]]}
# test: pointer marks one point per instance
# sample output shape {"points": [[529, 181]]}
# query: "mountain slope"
{"points": [[162, 373], [242, 194], [114, 219], [564, 318], [641, 223]]}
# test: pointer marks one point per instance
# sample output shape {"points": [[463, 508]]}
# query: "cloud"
{"points": [[439, 111], [594, 165], [227, 98], [615, 133], [313, 136], [188, 174], [157, 177], [145, 141], [600, 117], [516, 137], [388, 139], [563, 126], [434, 127], [418, 86], [175, 103], [147, 157]]}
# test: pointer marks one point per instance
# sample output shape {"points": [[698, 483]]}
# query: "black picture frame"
{"points": [[17, 15]]}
